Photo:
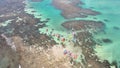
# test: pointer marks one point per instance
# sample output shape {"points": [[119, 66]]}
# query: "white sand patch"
{"points": [[58, 52]]}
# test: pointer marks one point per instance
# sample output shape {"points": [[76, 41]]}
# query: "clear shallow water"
{"points": [[47, 11], [110, 11]]}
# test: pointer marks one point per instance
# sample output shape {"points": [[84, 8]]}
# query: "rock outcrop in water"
{"points": [[107, 40], [116, 28], [70, 8], [84, 25], [36, 0], [85, 40]]}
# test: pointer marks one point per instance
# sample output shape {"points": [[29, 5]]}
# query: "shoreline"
{"points": [[23, 29]]}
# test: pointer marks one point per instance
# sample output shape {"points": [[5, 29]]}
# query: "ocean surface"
{"points": [[110, 15]]}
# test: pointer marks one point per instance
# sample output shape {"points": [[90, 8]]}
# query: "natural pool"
{"points": [[109, 15]]}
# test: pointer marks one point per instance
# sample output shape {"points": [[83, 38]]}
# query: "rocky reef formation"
{"points": [[70, 8], [86, 42], [84, 24]]}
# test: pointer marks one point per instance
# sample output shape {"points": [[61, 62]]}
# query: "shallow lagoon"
{"points": [[109, 15], [109, 11]]}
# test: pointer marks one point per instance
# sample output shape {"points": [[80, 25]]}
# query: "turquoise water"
{"points": [[109, 10], [45, 9], [48, 11]]}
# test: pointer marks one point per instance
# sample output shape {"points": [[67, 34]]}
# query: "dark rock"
{"points": [[107, 40], [116, 28], [84, 24], [106, 20], [36, 0], [94, 18], [30, 7], [33, 11], [114, 63]]}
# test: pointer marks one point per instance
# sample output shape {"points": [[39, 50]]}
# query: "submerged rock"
{"points": [[84, 24], [36, 0], [116, 28], [107, 40], [70, 9], [33, 11], [106, 20], [114, 63]]}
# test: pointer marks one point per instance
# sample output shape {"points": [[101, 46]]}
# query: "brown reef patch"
{"points": [[70, 8]]}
